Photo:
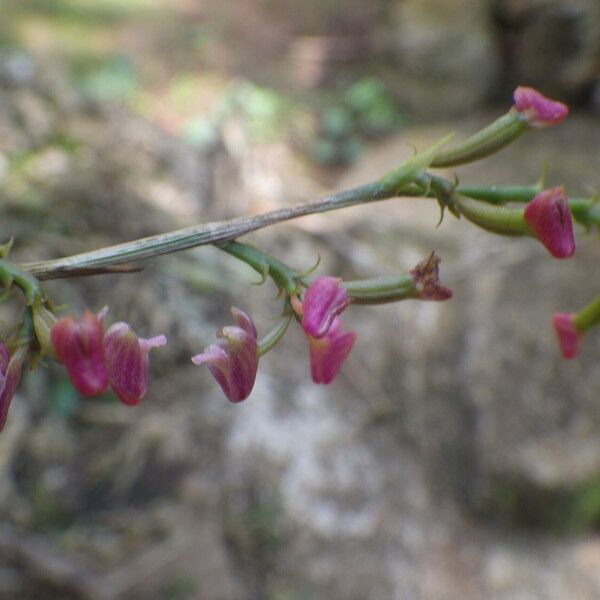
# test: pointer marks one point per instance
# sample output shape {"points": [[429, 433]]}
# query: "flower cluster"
{"points": [[95, 358], [233, 362]]}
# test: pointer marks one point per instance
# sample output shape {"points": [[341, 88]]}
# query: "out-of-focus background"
{"points": [[456, 455]]}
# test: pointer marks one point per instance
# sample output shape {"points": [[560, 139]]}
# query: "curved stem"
{"points": [[488, 141], [265, 265], [274, 336]]}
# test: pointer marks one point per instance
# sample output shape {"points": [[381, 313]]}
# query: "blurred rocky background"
{"points": [[456, 456]]}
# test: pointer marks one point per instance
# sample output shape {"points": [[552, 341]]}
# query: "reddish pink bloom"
{"points": [[539, 110], [10, 374], [569, 337], [126, 359], [328, 345], [79, 346], [549, 218], [426, 276], [323, 301], [328, 353], [233, 362]]}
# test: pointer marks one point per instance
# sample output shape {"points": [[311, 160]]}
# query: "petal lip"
{"points": [[233, 362], [79, 346], [323, 301], [569, 338], [9, 380], [549, 219], [537, 109], [328, 353], [127, 361]]}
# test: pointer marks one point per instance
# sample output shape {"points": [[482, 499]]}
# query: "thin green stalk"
{"points": [[486, 142], [588, 316], [265, 265]]}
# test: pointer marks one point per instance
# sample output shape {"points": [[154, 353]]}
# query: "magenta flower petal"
{"points": [[549, 218], [539, 110], [566, 332], [10, 374], [323, 301], [426, 276], [126, 358], [79, 346], [233, 362], [328, 353]]}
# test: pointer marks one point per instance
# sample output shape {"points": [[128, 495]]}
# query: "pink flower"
{"points": [[328, 353], [426, 276], [569, 337], [549, 218], [10, 374], [329, 347], [323, 301], [79, 346], [233, 362], [94, 359], [126, 360], [539, 110]]}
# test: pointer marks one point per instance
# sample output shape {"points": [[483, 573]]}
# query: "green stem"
{"points": [[380, 290], [274, 336], [496, 219], [11, 274], [265, 265], [588, 316], [496, 194], [489, 140]]}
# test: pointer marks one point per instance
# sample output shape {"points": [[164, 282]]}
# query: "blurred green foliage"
{"points": [[363, 111], [561, 510]]}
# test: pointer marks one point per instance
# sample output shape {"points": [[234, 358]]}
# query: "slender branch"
{"points": [[106, 260], [217, 232]]}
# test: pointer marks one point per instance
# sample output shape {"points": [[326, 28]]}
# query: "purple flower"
{"points": [[426, 276], [323, 301], [568, 336], [234, 361], [549, 218], [10, 374], [329, 347], [328, 353], [539, 110], [94, 359], [79, 346], [126, 360]]}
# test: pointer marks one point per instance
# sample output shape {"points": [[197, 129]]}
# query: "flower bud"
{"points": [[126, 360], [43, 321], [10, 374], [328, 353], [566, 331], [549, 219], [79, 346], [537, 109], [234, 361], [323, 301]]}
